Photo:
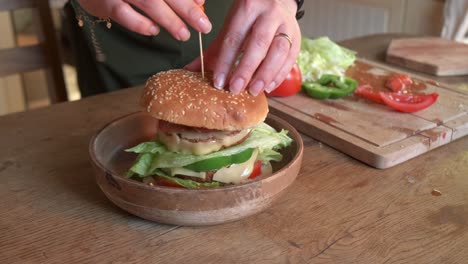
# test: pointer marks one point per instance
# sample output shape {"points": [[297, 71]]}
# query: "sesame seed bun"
{"points": [[183, 97]]}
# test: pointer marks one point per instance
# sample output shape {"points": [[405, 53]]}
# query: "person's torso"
{"points": [[129, 59]]}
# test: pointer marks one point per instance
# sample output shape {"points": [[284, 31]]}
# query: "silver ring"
{"points": [[284, 35]]}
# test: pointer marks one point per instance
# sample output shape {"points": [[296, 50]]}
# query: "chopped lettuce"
{"points": [[269, 155], [148, 147], [142, 165], [154, 156], [189, 184], [323, 56]]}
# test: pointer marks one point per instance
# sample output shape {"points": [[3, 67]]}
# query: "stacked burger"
{"points": [[206, 137]]}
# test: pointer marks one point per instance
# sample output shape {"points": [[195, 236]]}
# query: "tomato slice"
{"points": [[408, 103], [257, 169], [366, 91], [291, 85], [167, 183], [398, 82]]}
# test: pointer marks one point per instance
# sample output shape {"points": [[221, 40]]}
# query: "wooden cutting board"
{"points": [[374, 133], [436, 56]]}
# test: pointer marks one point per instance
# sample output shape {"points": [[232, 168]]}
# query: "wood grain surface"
{"points": [[374, 133], [45, 55], [374, 48], [337, 211], [436, 56], [21, 59]]}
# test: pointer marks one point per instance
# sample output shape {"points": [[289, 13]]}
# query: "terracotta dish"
{"points": [[184, 206]]}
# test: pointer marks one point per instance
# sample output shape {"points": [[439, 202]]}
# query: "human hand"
{"points": [[259, 30], [169, 14]]}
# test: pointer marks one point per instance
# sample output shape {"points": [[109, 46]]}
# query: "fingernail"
{"points": [[257, 87], [237, 85], [204, 24], [219, 81], [270, 87], [154, 30], [184, 34]]}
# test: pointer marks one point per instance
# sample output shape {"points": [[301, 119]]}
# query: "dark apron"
{"points": [[111, 59]]}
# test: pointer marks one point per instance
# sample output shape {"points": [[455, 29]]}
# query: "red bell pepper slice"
{"points": [[167, 183], [257, 169], [408, 103], [398, 82], [366, 91]]}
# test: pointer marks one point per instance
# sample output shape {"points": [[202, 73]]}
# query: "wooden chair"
{"points": [[461, 34], [45, 55]]}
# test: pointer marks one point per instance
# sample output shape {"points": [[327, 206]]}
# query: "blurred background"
{"points": [[338, 19]]}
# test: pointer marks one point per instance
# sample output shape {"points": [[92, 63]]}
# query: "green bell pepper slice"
{"points": [[220, 162], [330, 87]]}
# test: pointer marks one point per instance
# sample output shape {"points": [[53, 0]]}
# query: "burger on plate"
{"points": [[206, 137]]}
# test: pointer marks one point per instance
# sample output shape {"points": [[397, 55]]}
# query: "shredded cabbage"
{"points": [[323, 56]]}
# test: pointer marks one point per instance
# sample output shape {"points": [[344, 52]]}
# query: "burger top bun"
{"points": [[185, 98]]}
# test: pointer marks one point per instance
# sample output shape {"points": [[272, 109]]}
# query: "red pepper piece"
{"points": [[257, 170]]}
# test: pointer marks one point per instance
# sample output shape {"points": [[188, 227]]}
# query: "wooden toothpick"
{"points": [[201, 55]]}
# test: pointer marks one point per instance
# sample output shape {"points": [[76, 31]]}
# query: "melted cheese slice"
{"points": [[174, 143], [236, 173]]}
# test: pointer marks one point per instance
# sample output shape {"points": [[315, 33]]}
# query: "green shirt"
{"points": [[111, 59]]}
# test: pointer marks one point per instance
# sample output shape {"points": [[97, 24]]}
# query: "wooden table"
{"points": [[338, 210], [374, 47]]}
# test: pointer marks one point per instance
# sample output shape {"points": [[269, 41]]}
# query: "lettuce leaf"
{"points": [[269, 155], [142, 165], [189, 184], [148, 147], [323, 56], [154, 156]]}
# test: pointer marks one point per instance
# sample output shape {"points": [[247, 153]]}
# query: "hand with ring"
{"points": [[170, 14], [256, 48]]}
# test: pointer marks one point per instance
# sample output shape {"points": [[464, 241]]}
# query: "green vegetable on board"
{"points": [[323, 64], [330, 87]]}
